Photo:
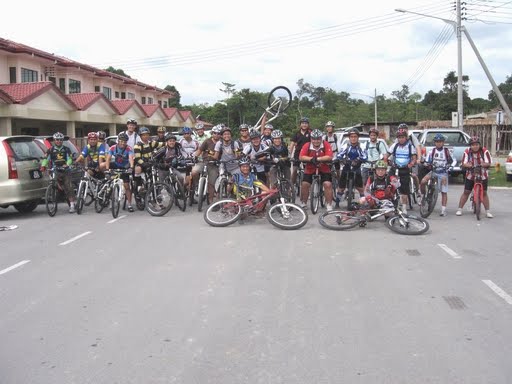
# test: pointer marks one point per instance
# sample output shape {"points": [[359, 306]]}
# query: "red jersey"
{"points": [[324, 150], [477, 158]]}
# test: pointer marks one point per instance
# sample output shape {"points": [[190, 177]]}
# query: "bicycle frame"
{"points": [[277, 103]]}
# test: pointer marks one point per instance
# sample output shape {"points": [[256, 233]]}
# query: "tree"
{"points": [[175, 100], [505, 89], [228, 90], [117, 71], [402, 95], [450, 82]]}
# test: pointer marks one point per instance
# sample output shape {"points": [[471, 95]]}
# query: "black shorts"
{"points": [[358, 180], [262, 176], [124, 176], [404, 175], [308, 178], [469, 184]]}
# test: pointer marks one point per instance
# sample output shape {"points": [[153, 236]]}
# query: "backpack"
{"points": [[232, 148], [410, 149], [377, 146], [447, 155]]}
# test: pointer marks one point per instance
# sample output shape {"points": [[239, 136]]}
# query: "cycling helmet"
{"points": [[244, 160], [316, 134], [58, 136], [304, 120], [276, 134], [169, 136], [92, 135], [222, 125], [243, 126], [403, 126], [216, 129], [186, 130], [102, 135], [131, 121], [269, 126], [373, 130], [439, 137], [353, 131], [401, 132], [225, 129], [330, 124], [122, 137], [200, 126], [254, 134], [161, 129], [143, 131], [474, 140], [381, 164]]}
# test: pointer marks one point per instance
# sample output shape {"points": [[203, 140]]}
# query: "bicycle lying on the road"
{"points": [[396, 220]]}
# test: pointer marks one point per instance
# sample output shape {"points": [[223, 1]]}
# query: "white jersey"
{"points": [[188, 147]]}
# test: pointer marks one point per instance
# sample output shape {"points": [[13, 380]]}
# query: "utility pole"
{"points": [[460, 90], [375, 102]]}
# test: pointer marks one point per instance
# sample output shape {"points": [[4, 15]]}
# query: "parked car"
{"points": [[455, 140], [22, 184], [45, 142], [508, 166]]}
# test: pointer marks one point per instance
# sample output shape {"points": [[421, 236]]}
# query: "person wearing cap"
{"points": [[207, 151], [301, 137]]}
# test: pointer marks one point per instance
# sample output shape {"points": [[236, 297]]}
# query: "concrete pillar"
{"points": [[494, 139], [111, 130], [70, 129], [5, 126]]}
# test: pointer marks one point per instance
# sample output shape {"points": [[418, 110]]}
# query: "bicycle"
{"points": [[398, 221], [118, 192], [202, 185], [54, 190], [477, 194], [104, 193], [282, 215], [428, 202], [299, 178], [316, 192], [178, 189], [159, 196], [224, 179], [284, 185], [87, 190], [351, 182], [278, 101]]}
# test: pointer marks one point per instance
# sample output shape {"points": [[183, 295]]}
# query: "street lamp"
{"points": [[374, 101], [457, 26]]}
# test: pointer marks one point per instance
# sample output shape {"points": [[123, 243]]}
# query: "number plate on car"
{"points": [[36, 174]]}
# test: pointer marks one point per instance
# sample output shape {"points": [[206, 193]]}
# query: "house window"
{"points": [[116, 93], [123, 95], [74, 86], [62, 85], [165, 104], [12, 75], [53, 80], [28, 75], [96, 88], [131, 96], [143, 100], [107, 92], [150, 100], [160, 102]]}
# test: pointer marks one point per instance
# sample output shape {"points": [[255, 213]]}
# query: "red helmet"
{"points": [[401, 132], [474, 140], [92, 135]]}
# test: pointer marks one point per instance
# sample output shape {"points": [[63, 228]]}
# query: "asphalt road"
{"points": [[173, 300]]}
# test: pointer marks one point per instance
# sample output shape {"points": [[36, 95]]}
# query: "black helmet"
{"points": [[304, 120], [169, 136], [353, 131], [102, 135], [254, 134], [316, 134], [131, 121], [122, 137]]}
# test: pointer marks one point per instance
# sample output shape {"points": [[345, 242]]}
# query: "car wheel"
{"points": [[26, 207]]}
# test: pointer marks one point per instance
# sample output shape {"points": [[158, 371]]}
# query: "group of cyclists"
{"points": [[254, 158]]}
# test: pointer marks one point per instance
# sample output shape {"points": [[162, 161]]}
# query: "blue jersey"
{"points": [[352, 152], [120, 157], [94, 154]]}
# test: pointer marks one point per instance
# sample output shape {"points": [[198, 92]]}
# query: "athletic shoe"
{"points": [[130, 208], [303, 205], [442, 214], [73, 209], [328, 207], [489, 215], [459, 212]]}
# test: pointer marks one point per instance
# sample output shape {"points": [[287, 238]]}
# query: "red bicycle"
{"points": [[477, 195], [282, 214]]}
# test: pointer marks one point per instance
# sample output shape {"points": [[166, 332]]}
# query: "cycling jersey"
{"points": [[94, 154], [280, 152], [120, 157], [188, 147], [300, 139], [208, 149], [244, 185], [158, 143], [255, 153], [352, 153], [228, 152], [477, 158], [267, 140], [402, 153], [133, 139], [381, 187], [323, 150], [440, 160], [244, 143], [142, 152], [374, 151], [332, 139], [167, 155], [58, 156]]}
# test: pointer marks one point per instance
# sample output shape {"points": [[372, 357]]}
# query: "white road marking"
{"points": [[114, 220], [75, 238], [449, 251], [14, 266], [497, 290]]}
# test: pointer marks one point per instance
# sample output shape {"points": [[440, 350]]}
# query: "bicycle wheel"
{"points": [[223, 213], [223, 189], [116, 203], [407, 225], [180, 198], [51, 199], [293, 217], [350, 193], [80, 197], [322, 195], [279, 99], [287, 191], [202, 193], [298, 183], [339, 220], [314, 196], [429, 201], [89, 195], [477, 200], [159, 199]]}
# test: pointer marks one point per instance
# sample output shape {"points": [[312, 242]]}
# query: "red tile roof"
{"points": [[5, 97], [185, 114], [85, 100], [170, 112], [150, 109], [123, 106], [22, 93]]}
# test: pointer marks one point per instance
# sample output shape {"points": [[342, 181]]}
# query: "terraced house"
{"points": [[41, 93]]}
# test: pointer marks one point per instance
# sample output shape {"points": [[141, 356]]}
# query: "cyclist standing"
{"points": [[142, 155], [439, 159], [160, 140], [475, 155], [120, 156], [207, 151], [257, 151], [169, 156], [188, 147], [93, 155], [58, 155], [354, 156], [278, 153], [376, 149], [133, 137], [415, 142], [244, 140], [227, 150], [315, 152], [200, 136], [404, 158], [298, 140]]}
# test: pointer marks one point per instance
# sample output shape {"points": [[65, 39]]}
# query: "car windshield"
{"points": [[25, 150], [451, 138]]}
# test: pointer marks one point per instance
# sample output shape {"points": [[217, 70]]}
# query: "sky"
{"points": [[355, 47]]}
